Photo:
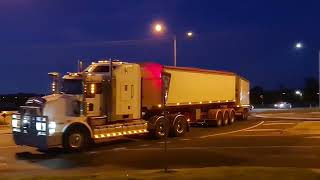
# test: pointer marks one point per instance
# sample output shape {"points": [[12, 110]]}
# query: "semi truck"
{"points": [[113, 99]]}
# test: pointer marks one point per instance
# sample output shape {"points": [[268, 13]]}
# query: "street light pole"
{"points": [[174, 50], [299, 45], [318, 93]]}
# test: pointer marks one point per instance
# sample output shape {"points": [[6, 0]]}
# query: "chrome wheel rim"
{"points": [[161, 128], [179, 128], [75, 140]]}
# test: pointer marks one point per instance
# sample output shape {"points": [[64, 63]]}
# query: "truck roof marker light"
{"points": [[189, 102], [159, 105], [96, 136], [210, 101], [227, 101], [134, 131], [108, 135], [124, 133], [119, 133], [219, 101], [102, 135], [129, 132], [114, 134], [145, 130], [234, 100], [200, 102], [140, 131], [178, 104]]}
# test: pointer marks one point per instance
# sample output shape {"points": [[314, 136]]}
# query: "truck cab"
{"points": [[92, 105]]}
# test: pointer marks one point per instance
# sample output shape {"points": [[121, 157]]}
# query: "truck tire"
{"points": [[160, 131], [225, 120], [219, 119], [245, 114], [231, 117], [180, 126], [76, 140]]}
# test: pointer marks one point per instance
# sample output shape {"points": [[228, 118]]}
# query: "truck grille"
{"points": [[34, 125]]}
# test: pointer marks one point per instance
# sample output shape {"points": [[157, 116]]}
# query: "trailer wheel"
{"points": [[161, 129], [245, 114], [76, 140], [219, 119], [225, 120], [180, 126], [231, 117]]}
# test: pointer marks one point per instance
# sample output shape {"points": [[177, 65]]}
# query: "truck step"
{"points": [[120, 129]]}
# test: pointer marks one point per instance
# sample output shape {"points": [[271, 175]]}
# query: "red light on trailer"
{"points": [[152, 70]]}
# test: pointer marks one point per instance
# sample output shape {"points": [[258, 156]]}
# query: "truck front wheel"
{"points": [[75, 140]]}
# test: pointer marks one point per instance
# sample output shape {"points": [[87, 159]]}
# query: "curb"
{"points": [[287, 118]]}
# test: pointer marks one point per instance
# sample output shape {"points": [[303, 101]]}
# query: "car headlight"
{"points": [[276, 105]]}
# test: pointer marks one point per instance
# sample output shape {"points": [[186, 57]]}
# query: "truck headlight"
{"points": [[41, 126], [14, 123], [52, 127]]}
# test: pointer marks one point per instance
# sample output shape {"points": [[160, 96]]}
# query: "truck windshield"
{"points": [[72, 86]]}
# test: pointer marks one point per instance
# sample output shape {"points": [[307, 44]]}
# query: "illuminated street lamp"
{"points": [[190, 34], [157, 28], [299, 45]]}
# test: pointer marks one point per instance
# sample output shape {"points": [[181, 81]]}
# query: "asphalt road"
{"points": [[256, 142]]}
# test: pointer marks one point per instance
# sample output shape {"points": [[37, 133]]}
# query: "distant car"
{"points": [[283, 105]]}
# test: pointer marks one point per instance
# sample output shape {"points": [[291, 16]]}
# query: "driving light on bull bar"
{"points": [[41, 126], [14, 123], [52, 127]]}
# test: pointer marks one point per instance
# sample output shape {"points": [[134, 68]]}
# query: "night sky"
{"points": [[254, 38]]}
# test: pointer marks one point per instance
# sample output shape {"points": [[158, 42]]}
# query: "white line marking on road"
{"points": [[259, 135], [92, 152], [7, 147], [184, 139], [280, 123], [292, 118], [162, 142], [313, 137], [231, 132], [218, 147], [119, 149], [3, 164], [259, 130], [144, 145]]}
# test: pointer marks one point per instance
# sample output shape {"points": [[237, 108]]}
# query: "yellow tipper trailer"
{"points": [[203, 96]]}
